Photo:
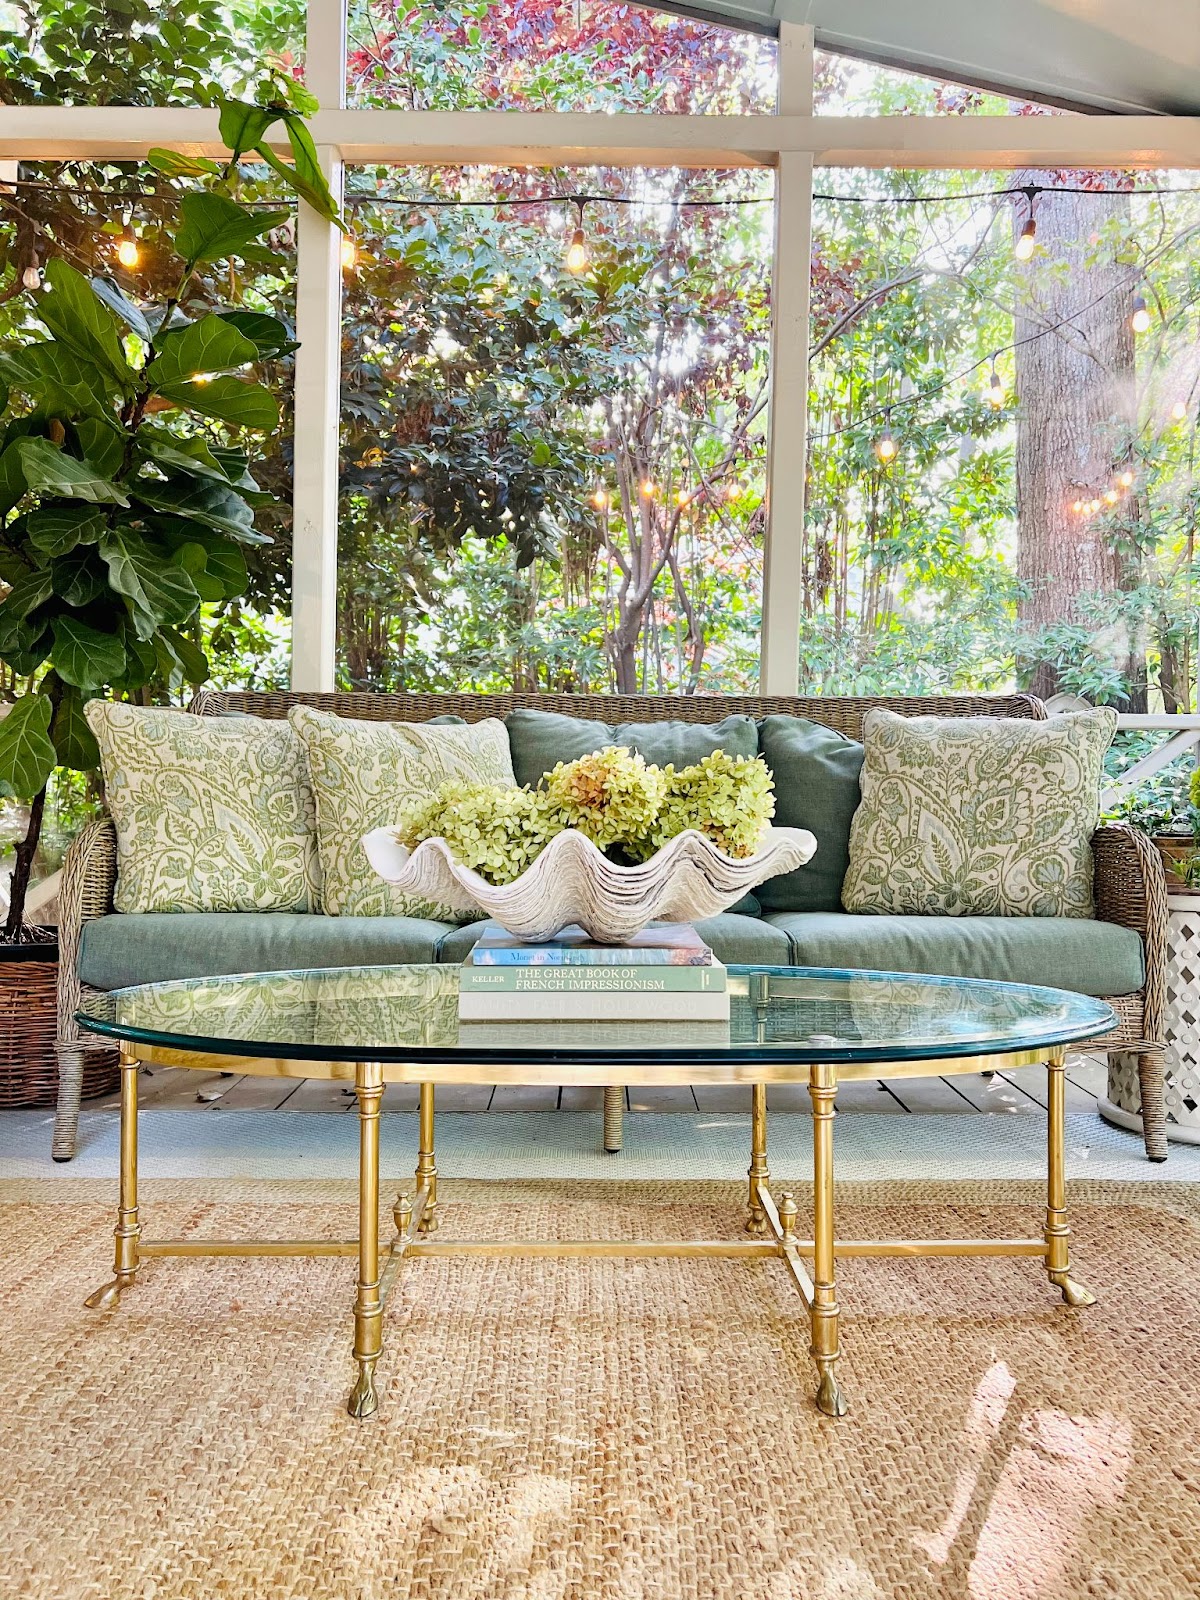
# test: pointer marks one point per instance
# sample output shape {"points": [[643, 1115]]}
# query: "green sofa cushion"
{"points": [[153, 947], [1096, 958], [816, 787], [540, 739], [733, 939]]}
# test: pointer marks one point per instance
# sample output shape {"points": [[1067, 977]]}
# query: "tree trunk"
{"points": [[1074, 389]]}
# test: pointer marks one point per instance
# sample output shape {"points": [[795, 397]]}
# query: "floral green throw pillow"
{"points": [[211, 813], [977, 816], [363, 772]]}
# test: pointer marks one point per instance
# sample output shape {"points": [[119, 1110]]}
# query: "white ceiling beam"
{"points": [[534, 138]]}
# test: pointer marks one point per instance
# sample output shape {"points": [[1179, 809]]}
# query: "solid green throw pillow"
{"points": [[211, 813], [816, 787], [977, 816], [363, 772], [541, 739]]}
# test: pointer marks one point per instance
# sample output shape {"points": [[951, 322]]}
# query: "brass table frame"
{"points": [[771, 1227]]}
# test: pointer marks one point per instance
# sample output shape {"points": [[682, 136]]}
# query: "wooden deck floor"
{"points": [[1009, 1094]]}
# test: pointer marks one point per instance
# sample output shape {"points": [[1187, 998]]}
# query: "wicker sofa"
{"points": [[1130, 893]]}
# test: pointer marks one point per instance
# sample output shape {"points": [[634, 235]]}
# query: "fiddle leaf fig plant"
{"points": [[127, 494]]}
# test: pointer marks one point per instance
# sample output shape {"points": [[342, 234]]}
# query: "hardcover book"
{"points": [[635, 979], [662, 944]]}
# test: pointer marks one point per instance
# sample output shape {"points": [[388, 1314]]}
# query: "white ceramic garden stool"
{"points": [[1181, 1024]]}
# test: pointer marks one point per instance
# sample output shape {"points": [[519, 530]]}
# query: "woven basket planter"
{"points": [[29, 1028]]}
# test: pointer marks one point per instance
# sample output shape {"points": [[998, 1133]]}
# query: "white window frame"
{"points": [[791, 142]]}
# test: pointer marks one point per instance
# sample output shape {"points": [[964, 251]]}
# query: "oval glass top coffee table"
{"points": [[377, 1025]]}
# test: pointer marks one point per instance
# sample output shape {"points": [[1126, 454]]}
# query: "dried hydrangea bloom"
{"points": [[729, 799], [499, 832], [611, 796]]}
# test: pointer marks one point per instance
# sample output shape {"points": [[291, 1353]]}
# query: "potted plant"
{"points": [[127, 497]]}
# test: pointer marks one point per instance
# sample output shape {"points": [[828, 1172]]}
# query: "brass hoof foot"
{"points": [[831, 1402], [1073, 1293], [363, 1401], [756, 1222], [430, 1221], [105, 1297]]}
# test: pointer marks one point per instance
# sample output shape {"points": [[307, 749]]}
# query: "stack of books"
{"points": [[665, 973]]}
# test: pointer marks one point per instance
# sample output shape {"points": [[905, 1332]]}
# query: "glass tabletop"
{"points": [[410, 1013]]}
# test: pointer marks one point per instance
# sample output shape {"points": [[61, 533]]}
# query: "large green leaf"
{"points": [[176, 652], [242, 125], [106, 290], [213, 505], [178, 166], [214, 227], [242, 405], [49, 471], [186, 455], [30, 591], [27, 757], [61, 383], [12, 479], [70, 734], [102, 445], [268, 335], [84, 656], [157, 591], [304, 176], [80, 577], [77, 319], [56, 529], [209, 346], [142, 659]]}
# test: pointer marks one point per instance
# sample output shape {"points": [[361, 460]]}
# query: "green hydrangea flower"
{"points": [[497, 831], [729, 799], [612, 796]]}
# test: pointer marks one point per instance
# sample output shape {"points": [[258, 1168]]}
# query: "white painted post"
{"points": [[318, 381], [779, 668]]}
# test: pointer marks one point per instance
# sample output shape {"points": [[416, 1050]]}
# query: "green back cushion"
{"points": [[539, 740], [816, 787]]}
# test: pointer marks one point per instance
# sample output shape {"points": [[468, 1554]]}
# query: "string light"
{"points": [[128, 253], [32, 275], [1140, 320], [886, 447], [349, 251], [649, 489], [1126, 479], [1027, 240], [1179, 411], [600, 500], [994, 394], [577, 251]]}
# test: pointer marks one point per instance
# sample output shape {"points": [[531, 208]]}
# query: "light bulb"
{"points": [[1140, 320], [202, 377], [600, 500], [682, 497], [1179, 411], [732, 490], [577, 252], [1111, 496], [886, 447], [32, 276], [1126, 479], [1077, 507], [128, 253], [994, 394], [1024, 246], [349, 251], [649, 489]]}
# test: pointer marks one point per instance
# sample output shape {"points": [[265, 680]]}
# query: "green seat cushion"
{"points": [[733, 938], [1095, 958], [816, 787], [153, 947], [539, 740]]}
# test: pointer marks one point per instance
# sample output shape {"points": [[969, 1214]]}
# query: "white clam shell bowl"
{"points": [[573, 882]]}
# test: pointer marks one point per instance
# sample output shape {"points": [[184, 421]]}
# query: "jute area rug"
{"points": [[613, 1430]]}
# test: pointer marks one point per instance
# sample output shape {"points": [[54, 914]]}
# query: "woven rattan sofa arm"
{"points": [[88, 880], [1131, 890]]}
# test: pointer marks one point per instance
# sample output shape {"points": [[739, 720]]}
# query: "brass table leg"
{"points": [[368, 1306], [128, 1229], [426, 1174], [1058, 1232], [756, 1220], [822, 1089]]}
